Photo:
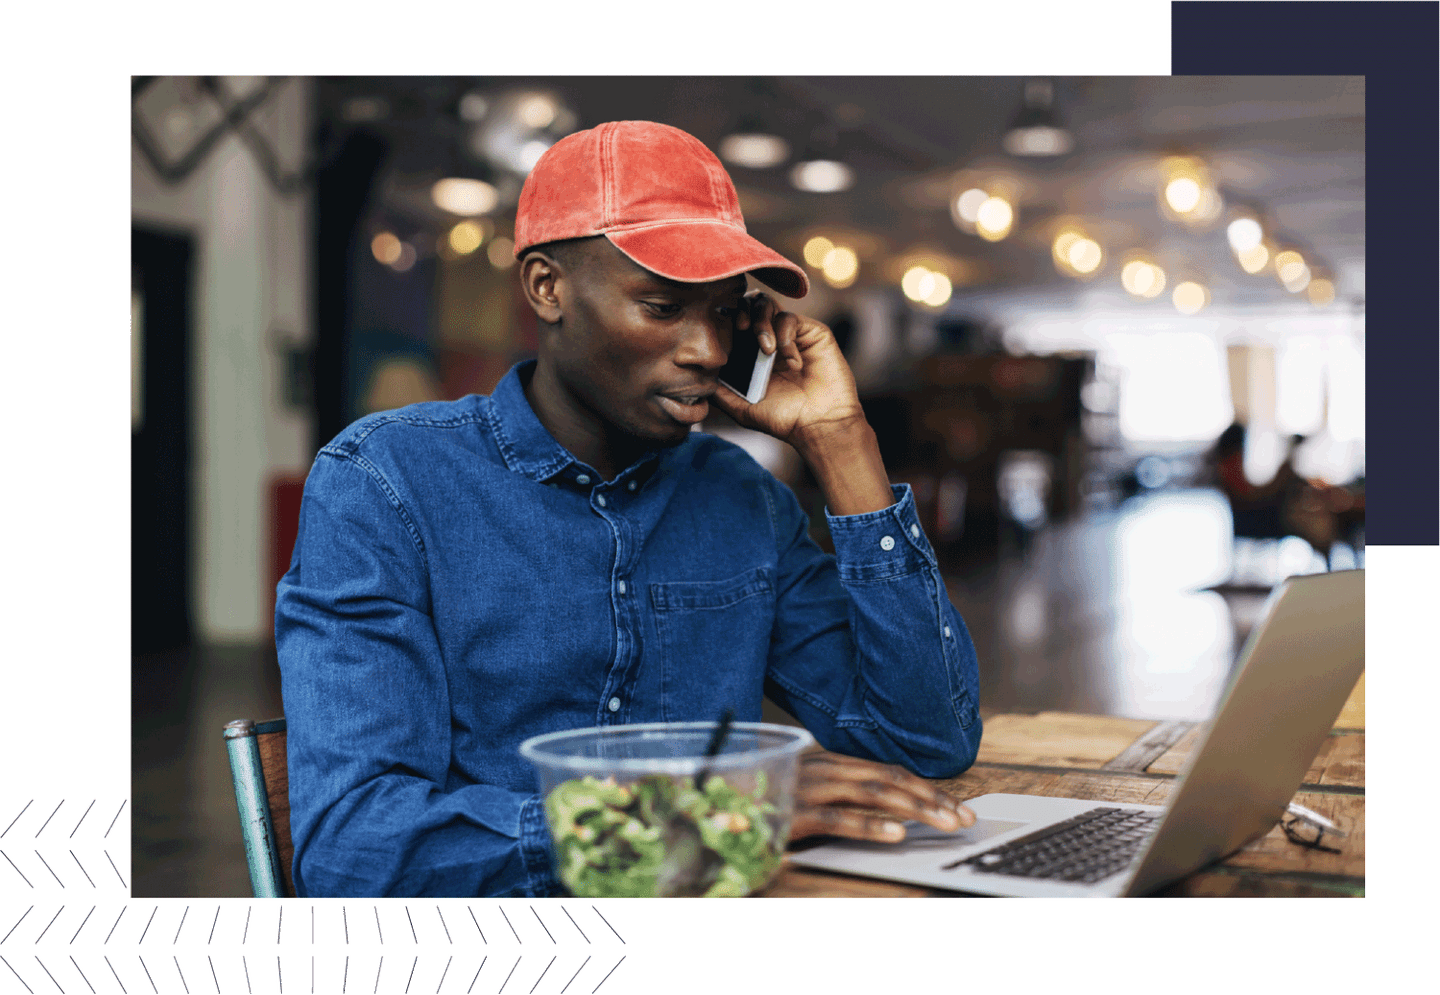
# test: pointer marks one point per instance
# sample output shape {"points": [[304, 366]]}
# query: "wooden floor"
{"points": [[1111, 615]]}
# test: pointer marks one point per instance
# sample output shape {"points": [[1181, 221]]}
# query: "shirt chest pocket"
{"points": [[713, 644]]}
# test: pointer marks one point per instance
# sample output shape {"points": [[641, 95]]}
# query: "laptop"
{"points": [[1291, 681]]}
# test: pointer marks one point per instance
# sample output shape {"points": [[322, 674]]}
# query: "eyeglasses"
{"points": [[1306, 834]]}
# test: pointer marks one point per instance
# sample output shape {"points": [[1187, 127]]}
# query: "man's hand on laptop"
{"points": [[860, 799]]}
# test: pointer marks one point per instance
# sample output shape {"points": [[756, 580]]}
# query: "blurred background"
{"points": [[1111, 330]]}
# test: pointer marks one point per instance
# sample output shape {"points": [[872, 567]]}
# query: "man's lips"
{"points": [[687, 406]]}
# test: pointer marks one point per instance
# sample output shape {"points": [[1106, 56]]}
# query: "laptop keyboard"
{"points": [[1090, 847]]}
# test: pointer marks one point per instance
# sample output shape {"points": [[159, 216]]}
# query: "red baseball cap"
{"points": [[659, 195]]}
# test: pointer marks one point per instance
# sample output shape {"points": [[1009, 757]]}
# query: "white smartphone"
{"points": [[747, 371]]}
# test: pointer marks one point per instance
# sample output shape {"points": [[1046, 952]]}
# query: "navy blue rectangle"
{"points": [[1393, 45]]}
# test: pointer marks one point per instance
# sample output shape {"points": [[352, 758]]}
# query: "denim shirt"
{"points": [[461, 582]]}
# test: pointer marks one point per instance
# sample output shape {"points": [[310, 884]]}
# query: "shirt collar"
{"points": [[525, 444]]}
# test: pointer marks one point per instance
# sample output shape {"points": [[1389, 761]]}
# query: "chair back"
{"points": [[262, 797]]}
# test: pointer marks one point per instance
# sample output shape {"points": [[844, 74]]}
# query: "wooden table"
{"points": [[1129, 760]]}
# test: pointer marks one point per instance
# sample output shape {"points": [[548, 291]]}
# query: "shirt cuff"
{"points": [[884, 543], [540, 880]]}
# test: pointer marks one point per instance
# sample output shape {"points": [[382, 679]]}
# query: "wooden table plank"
{"points": [[1340, 762], [1149, 747], [1058, 739], [1220, 884], [807, 882]]}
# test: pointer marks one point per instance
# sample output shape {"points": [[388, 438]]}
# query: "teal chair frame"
{"points": [[257, 766]]}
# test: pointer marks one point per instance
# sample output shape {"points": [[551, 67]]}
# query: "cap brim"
{"points": [[702, 252]]}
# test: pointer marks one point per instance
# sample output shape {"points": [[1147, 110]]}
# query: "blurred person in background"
{"points": [[567, 553], [1286, 504]]}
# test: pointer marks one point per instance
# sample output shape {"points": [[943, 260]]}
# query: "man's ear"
{"points": [[539, 276]]}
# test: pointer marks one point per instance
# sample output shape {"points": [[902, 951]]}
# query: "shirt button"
{"points": [[600, 500], [614, 704], [632, 485], [621, 587], [947, 632], [887, 543], [915, 531], [583, 479]]}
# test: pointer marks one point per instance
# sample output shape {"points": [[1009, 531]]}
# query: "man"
{"points": [[566, 553]]}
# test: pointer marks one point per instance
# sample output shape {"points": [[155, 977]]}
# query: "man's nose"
{"points": [[705, 343]]}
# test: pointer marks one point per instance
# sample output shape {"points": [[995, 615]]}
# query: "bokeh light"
{"points": [[822, 176], [1244, 234], [385, 247], [967, 205], [994, 218], [1291, 270], [1189, 297], [464, 197], [536, 110], [940, 291], [918, 283], [465, 238], [501, 253], [407, 258], [1321, 292], [1253, 260], [1085, 255], [816, 249], [840, 266], [754, 151], [1182, 194], [1141, 278]]}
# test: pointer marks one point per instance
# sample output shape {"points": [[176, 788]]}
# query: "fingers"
{"points": [[829, 821], [830, 780], [787, 326], [775, 329], [758, 313]]}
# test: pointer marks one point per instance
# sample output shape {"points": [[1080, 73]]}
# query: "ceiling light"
{"points": [[1253, 260], [536, 110], [1182, 194], [840, 266], [1085, 255], [822, 176], [918, 283], [754, 150], [1189, 297], [1060, 250], [501, 253], [466, 198], [1244, 234], [1076, 253], [1290, 269], [1299, 279], [1141, 278], [1037, 129], [385, 247], [1321, 292], [994, 218], [939, 292], [816, 249], [465, 238], [967, 205], [473, 107]]}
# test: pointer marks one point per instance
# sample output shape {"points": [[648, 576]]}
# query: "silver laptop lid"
{"points": [[1294, 674]]}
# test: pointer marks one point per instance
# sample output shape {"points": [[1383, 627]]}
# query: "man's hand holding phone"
{"points": [[811, 391]]}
